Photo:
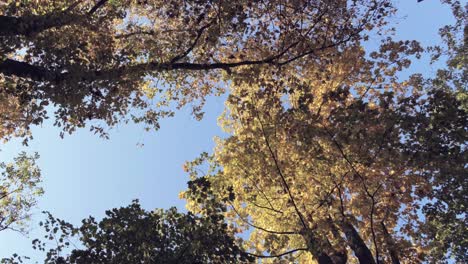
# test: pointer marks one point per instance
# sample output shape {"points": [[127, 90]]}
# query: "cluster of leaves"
{"points": [[19, 188], [347, 177]]}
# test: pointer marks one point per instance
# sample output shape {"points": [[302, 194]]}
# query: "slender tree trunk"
{"points": [[356, 243], [391, 245]]}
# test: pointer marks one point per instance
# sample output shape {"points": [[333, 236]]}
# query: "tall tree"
{"points": [[96, 60], [444, 139], [340, 165], [350, 180], [133, 235]]}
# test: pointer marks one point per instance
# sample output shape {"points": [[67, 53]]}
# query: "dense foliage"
{"points": [[96, 60], [133, 235], [348, 168], [330, 156]]}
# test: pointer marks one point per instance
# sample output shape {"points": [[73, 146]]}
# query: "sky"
{"points": [[85, 175]]}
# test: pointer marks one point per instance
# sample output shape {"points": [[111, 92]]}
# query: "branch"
{"points": [[72, 6], [248, 176], [25, 70], [97, 6], [266, 208], [345, 157], [126, 35], [374, 239], [261, 228], [4, 195], [276, 256], [41, 74], [280, 173], [27, 25], [194, 43]]}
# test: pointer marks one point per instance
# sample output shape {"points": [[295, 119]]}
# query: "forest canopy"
{"points": [[96, 60], [330, 155]]}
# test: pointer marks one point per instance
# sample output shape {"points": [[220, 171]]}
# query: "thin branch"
{"points": [[248, 176], [261, 228], [265, 207], [4, 195], [280, 173], [374, 239], [123, 36], [97, 6], [72, 6], [345, 157], [194, 43], [277, 256]]}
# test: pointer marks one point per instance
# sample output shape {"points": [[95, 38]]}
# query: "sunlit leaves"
{"points": [[19, 189], [92, 60]]}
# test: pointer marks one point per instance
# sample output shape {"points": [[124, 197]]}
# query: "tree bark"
{"points": [[340, 255], [315, 247], [391, 245], [356, 243], [324, 259], [28, 25], [25, 70]]}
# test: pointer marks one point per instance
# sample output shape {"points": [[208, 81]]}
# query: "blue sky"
{"points": [[86, 175]]}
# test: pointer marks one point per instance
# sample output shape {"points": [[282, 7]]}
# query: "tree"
{"points": [[133, 235], [351, 179], [341, 167], [19, 189], [444, 139], [98, 60]]}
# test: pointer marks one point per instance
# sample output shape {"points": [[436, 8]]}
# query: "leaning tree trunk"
{"points": [[356, 243]]}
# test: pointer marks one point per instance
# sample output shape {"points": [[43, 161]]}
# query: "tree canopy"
{"points": [[133, 235], [330, 156], [347, 168], [94, 60]]}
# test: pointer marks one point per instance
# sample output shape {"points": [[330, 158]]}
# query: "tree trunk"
{"points": [[316, 248], [356, 243], [391, 245], [340, 254], [324, 259]]}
